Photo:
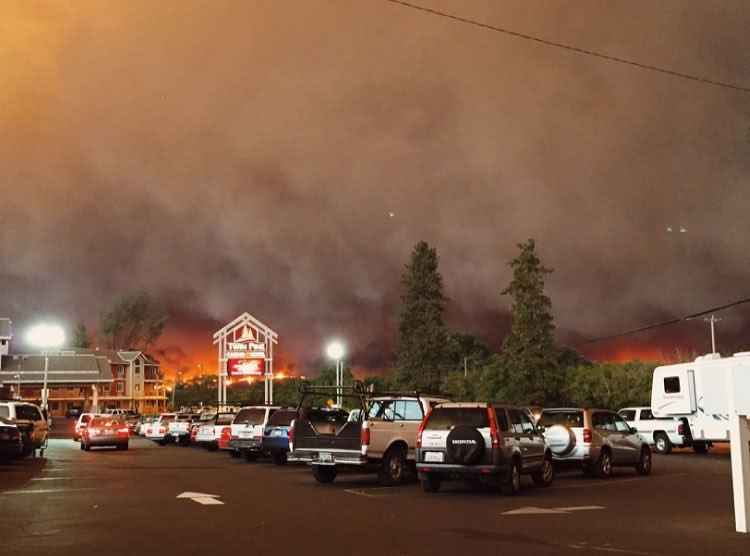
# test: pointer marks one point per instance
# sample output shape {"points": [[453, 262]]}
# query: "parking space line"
{"points": [[64, 478], [363, 493], [48, 490], [618, 481], [586, 546]]}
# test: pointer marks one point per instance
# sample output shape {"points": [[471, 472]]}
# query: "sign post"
{"points": [[245, 348]]}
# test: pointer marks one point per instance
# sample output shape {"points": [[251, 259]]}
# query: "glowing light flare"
{"points": [[335, 350], [46, 336]]}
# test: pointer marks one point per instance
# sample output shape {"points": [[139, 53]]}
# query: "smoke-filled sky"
{"points": [[283, 158]]}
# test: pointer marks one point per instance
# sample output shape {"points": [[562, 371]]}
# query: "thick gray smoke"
{"points": [[283, 158]]}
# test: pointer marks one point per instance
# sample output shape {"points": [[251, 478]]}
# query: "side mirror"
{"points": [[540, 428], [633, 430]]}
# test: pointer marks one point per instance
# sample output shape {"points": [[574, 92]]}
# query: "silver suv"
{"points": [[492, 443], [598, 439]]}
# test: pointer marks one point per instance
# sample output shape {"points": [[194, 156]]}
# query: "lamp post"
{"points": [[46, 336], [335, 351]]}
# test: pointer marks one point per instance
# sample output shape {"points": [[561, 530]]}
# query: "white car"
{"points": [[157, 430], [27, 413], [83, 420], [662, 433], [247, 430], [216, 432]]}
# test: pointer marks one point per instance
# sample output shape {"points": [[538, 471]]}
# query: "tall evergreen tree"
{"points": [[529, 350], [81, 338], [422, 339]]}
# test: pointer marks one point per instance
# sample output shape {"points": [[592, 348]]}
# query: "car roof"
{"points": [[563, 409], [463, 404]]}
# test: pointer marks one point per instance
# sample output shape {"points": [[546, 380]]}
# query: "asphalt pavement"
{"points": [[106, 501]]}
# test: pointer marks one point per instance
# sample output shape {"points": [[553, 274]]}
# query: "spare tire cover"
{"points": [[465, 444], [561, 439]]}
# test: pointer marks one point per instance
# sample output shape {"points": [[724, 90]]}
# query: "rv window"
{"points": [[671, 384]]}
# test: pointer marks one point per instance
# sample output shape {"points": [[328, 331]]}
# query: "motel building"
{"points": [[92, 379]]}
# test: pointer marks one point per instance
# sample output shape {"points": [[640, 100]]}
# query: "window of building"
{"points": [[120, 387], [137, 366], [53, 406], [120, 370]]}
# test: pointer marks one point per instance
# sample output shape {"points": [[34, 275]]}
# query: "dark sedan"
{"points": [[11, 442]]}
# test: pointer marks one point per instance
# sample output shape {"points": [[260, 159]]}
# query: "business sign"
{"points": [[245, 367]]}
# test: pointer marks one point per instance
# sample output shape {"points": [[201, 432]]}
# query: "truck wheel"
{"points": [[700, 447], [603, 467], [325, 473], [662, 443], [643, 467], [545, 476], [431, 483], [279, 459], [250, 456], [235, 453], [393, 467], [512, 487]]}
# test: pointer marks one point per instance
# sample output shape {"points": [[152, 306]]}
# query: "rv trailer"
{"points": [[698, 393]]}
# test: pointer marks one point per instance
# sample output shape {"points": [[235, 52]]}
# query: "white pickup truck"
{"points": [[662, 433], [178, 430]]}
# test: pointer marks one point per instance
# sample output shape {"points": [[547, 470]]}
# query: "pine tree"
{"points": [[529, 350], [81, 337], [422, 335]]}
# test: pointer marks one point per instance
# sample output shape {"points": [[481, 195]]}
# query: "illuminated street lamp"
{"points": [[46, 336], [335, 351]]}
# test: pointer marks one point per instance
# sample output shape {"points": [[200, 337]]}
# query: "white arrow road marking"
{"points": [[532, 510], [201, 498], [565, 510]]}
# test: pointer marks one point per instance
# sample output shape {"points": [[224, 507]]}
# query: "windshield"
{"points": [[568, 418], [250, 416], [281, 418], [446, 418]]}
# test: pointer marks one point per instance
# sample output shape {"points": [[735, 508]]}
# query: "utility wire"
{"points": [[572, 48], [665, 323]]}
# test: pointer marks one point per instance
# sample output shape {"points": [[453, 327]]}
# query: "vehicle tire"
{"points": [[700, 447], [662, 444], [431, 483], [82, 446], [545, 476], [279, 459], [325, 473], [235, 454], [561, 439], [212, 448], [643, 467], [512, 486], [250, 456], [393, 467], [161, 442], [87, 448], [464, 444], [587, 470], [603, 467]]}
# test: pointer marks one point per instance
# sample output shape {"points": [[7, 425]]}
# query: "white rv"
{"points": [[698, 393]]}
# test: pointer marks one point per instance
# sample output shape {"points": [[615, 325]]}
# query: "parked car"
{"points": [[384, 438], [203, 419], [142, 422], [11, 442], [481, 441], [662, 433], [23, 413], [178, 430], [276, 434], [246, 430], [73, 412], [209, 435], [83, 420], [597, 439], [105, 430], [157, 429]]}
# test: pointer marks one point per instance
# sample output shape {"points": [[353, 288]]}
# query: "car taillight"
{"points": [[493, 428], [291, 433], [421, 428], [365, 437], [226, 433], [587, 435], [681, 429], [123, 430]]}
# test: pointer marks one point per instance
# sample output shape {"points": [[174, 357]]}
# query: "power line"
{"points": [[572, 48], [665, 323]]}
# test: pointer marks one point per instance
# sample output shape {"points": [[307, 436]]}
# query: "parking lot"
{"points": [[72, 501]]}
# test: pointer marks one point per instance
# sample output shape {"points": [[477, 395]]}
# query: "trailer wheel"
{"points": [[662, 443], [325, 473], [700, 447]]}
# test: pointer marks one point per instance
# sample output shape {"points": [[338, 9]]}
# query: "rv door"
{"points": [[673, 391]]}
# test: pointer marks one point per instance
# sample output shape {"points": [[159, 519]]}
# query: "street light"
{"points": [[335, 351], [46, 336]]}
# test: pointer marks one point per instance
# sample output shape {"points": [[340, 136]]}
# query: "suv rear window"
{"points": [[281, 418], [446, 418], [250, 416], [567, 418], [28, 413], [225, 419]]}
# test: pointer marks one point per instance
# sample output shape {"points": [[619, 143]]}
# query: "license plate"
{"points": [[433, 456], [325, 457], [109, 433], [277, 433], [246, 434]]}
